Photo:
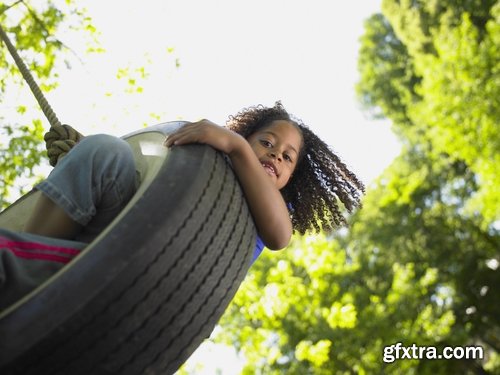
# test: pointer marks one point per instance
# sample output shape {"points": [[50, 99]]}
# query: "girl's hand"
{"points": [[206, 132]]}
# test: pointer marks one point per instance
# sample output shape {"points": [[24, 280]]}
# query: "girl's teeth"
{"points": [[269, 170]]}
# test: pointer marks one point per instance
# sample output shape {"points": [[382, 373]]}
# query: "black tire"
{"points": [[142, 297]]}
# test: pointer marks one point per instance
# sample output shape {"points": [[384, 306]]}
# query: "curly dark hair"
{"points": [[320, 178]]}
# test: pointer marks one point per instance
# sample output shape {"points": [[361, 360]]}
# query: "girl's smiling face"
{"points": [[277, 147]]}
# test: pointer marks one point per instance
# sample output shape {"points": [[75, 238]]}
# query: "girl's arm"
{"points": [[265, 201]]}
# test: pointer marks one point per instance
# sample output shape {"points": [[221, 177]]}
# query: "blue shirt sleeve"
{"points": [[259, 246]]}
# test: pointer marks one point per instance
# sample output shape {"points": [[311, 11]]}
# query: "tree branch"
{"points": [[7, 7]]}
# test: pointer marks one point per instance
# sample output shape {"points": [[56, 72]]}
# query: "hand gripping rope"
{"points": [[60, 138]]}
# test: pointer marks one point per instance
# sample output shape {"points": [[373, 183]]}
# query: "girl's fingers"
{"points": [[198, 132], [180, 137], [181, 140], [171, 138]]}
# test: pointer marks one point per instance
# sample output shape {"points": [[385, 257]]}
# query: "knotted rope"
{"points": [[60, 138]]}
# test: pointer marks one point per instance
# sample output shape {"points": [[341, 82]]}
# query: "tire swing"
{"points": [[143, 296]]}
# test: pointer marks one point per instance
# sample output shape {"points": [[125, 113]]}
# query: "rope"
{"points": [[60, 138]]}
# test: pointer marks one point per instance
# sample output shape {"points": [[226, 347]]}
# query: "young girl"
{"points": [[292, 181]]}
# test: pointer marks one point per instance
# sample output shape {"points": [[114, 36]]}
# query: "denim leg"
{"points": [[93, 183]]}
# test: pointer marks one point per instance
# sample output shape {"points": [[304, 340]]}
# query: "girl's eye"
{"points": [[266, 143], [288, 158]]}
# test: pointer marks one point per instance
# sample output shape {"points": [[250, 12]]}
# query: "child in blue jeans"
{"points": [[291, 179]]}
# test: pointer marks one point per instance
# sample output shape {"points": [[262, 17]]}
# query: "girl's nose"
{"points": [[275, 155]]}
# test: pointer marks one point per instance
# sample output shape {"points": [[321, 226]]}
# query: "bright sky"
{"points": [[232, 54]]}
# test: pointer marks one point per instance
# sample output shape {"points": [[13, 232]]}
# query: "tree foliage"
{"points": [[420, 262], [433, 68], [32, 27]]}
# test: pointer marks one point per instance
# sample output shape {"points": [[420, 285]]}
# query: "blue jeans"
{"points": [[93, 183]]}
